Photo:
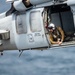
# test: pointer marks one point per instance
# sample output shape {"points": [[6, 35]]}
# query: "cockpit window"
{"points": [[35, 21]]}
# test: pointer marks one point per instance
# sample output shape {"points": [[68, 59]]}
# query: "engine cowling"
{"points": [[19, 5], [23, 5]]}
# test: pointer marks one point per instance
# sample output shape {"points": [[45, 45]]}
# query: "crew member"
{"points": [[56, 34]]}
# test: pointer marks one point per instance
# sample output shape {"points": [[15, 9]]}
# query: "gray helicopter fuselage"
{"points": [[24, 29]]}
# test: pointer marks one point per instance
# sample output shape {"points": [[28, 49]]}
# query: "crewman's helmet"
{"points": [[51, 26]]}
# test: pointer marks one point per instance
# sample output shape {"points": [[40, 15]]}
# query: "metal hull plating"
{"points": [[26, 24]]}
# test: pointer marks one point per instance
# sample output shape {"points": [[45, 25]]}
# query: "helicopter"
{"points": [[22, 27]]}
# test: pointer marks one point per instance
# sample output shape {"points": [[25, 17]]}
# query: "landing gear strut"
{"points": [[21, 51], [1, 53]]}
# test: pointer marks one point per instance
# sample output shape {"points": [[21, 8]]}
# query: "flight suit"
{"points": [[56, 35]]}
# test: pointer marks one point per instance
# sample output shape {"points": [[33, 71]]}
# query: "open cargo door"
{"points": [[61, 15]]}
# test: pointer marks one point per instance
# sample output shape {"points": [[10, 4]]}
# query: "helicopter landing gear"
{"points": [[1, 53], [21, 51]]}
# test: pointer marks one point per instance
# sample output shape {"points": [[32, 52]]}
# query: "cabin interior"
{"points": [[62, 15]]}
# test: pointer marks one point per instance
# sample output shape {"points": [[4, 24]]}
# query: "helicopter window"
{"points": [[21, 27], [35, 21]]}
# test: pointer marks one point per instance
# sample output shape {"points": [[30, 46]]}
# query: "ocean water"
{"points": [[49, 62]]}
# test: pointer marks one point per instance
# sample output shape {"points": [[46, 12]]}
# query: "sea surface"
{"points": [[49, 62]]}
